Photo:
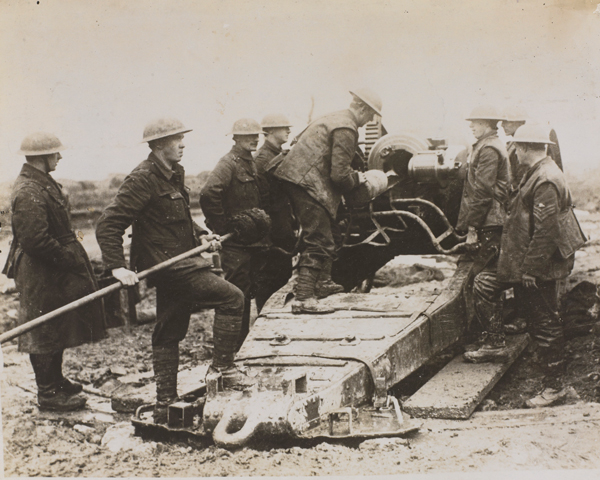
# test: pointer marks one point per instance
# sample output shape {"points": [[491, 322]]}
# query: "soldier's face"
{"points": [[172, 148], [280, 135], [510, 127], [53, 160], [247, 142], [367, 115], [521, 152], [479, 128]]}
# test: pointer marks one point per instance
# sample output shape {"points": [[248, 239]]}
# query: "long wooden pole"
{"points": [[26, 327]]}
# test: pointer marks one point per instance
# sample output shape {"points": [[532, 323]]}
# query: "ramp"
{"points": [[456, 390]]}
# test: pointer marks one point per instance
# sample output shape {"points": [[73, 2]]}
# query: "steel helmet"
{"points": [[275, 120], [485, 112], [370, 98], [246, 126], [514, 114], [40, 143], [532, 133], [163, 127]]}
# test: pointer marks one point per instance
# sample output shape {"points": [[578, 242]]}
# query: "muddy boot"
{"points": [[550, 359], [233, 377], [165, 361], [493, 341], [226, 331], [548, 398], [492, 350], [325, 285], [518, 325], [64, 384], [50, 396], [305, 301]]}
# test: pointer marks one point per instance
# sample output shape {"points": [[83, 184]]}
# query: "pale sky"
{"points": [[95, 72]]}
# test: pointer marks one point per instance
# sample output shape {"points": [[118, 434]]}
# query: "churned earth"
{"points": [[502, 436]]}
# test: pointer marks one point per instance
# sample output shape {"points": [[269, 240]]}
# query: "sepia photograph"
{"points": [[300, 238]]}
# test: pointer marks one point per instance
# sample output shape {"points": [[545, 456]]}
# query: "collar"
{"points": [[493, 133], [44, 179], [166, 170], [241, 153], [272, 147], [535, 167]]}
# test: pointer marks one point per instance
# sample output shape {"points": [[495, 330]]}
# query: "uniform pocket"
{"points": [[172, 207]]}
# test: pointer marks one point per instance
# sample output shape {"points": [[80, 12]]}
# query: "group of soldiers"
{"points": [[300, 189], [518, 214]]}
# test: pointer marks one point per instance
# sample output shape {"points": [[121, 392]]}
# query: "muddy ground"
{"points": [[100, 442]]}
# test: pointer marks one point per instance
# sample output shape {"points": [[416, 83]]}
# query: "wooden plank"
{"points": [[456, 390]]}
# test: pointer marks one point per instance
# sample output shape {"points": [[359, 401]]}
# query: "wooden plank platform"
{"points": [[456, 390]]}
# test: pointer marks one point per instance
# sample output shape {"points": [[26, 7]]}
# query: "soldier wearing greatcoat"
{"points": [[155, 201], [51, 269], [316, 172], [538, 246]]}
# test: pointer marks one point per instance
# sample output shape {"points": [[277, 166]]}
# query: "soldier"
{"points": [[317, 172], [539, 241], [232, 187], [51, 269], [154, 200], [513, 118], [278, 266], [482, 210]]}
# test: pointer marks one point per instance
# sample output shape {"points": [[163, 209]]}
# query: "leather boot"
{"points": [[325, 285], [548, 398], [165, 361], [305, 301], [493, 341], [492, 350], [50, 396], [233, 377], [226, 332], [66, 385]]}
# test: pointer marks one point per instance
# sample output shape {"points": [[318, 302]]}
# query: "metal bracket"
{"points": [[295, 384], [180, 415], [214, 384], [335, 415]]}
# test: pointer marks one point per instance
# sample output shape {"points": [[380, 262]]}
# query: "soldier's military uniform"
{"points": [[317, 172], [482, 207], [232, 187], [155, 201], [51, 269], [536, 241]]}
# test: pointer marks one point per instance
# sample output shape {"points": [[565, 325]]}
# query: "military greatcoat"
{"points": [[50, 267]]}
